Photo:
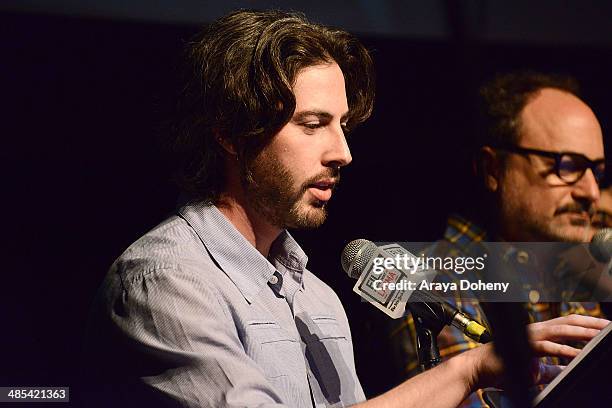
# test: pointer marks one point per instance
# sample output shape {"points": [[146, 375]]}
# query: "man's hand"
{"points": [[546, 339], [448, 384], [544, 336]]}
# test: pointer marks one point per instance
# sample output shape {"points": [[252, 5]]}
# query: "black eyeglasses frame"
{"points": [[557, 156]]}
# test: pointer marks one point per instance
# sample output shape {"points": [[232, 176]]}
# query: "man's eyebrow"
{"points": [[302, 115]]}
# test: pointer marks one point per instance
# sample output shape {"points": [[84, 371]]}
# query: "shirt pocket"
{"points": [[328, 340], [328, 329], [329, 353], [273, 348]]}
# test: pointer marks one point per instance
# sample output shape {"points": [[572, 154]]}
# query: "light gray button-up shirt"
{"points": [[196, 315]]}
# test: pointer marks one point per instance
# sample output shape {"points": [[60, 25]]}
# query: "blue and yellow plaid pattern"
{"points": [[459, 235]]}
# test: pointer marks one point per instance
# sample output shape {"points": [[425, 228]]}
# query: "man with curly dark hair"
{"points": [[215, 307]]}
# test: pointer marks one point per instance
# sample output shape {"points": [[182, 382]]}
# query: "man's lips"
{"points": [[576, 213], [578, 218], [322, 190], [582, 216]]}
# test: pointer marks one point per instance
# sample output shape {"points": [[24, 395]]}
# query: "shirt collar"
{"points": [[287, 255], [237, 257]]}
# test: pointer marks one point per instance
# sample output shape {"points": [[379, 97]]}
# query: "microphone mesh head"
{"points": [[356, 255], [601, 245]]}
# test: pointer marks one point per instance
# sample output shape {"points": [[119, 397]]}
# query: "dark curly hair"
{"points": [[503, 100], [238, 85]]}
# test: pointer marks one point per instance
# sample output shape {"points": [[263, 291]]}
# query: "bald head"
{"points": [[556, 120], [535, 203]]}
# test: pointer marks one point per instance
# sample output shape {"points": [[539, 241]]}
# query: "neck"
{"points": [[248, 222]]}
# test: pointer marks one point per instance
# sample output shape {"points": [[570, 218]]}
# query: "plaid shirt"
{"points": [[459, 235]]}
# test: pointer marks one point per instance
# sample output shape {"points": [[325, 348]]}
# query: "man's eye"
{"points": [[345, 129], [312, 125]]}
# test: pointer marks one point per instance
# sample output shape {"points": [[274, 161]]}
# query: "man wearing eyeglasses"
{"points": [[544, 160], [540, 160], [215, 307]]}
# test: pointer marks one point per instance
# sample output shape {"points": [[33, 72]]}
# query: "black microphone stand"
{"points": [[428, 325]]}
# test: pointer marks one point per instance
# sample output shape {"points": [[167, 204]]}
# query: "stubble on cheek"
{"points": [[272, 190], [535, 214]]}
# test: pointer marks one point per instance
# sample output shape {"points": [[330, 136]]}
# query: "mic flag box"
{"points": [[388, 287]]}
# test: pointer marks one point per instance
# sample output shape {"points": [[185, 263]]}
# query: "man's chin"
{"points": [[573, 233], [307, 217]]}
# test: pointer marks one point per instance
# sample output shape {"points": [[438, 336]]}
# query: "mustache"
{"points": [[328, 173], [577, 208]]}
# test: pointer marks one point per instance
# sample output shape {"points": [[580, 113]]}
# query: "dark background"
{"points": [[83, 174]]}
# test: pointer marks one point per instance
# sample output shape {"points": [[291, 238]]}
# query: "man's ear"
{"points": [[490, 165], [225, 144]]}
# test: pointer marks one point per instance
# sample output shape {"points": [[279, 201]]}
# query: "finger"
{"points": [[562, 332], [576, 320], [549, 348], [546, 373]]}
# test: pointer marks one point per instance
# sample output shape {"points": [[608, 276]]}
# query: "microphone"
{"points": [[600, 248], [357, 261], [601, 245]]}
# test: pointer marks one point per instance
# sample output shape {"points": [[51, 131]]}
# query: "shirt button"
{"points": [[534, 296], [273, 280], [522, 257]]}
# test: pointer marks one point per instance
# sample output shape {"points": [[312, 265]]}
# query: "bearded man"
{"points": [[214, 307]]}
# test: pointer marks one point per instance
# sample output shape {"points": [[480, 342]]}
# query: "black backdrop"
{"points": [[83, 176]]}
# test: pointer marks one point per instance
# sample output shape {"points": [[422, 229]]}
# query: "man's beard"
{"points": [[583, 224], [269, 187], [553, 229], [554, 232]]}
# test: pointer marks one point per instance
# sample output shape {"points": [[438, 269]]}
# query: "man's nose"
{"points": [[587, 188], [338, 153]]}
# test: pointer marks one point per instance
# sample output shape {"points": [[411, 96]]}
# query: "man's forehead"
{"points": [[559, 121], [321, 88]]}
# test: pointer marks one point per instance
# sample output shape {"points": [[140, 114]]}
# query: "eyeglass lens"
{"points": [[572, 167]]}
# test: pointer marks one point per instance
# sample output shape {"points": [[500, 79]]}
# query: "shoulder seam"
{"points": [[138, 277]]}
